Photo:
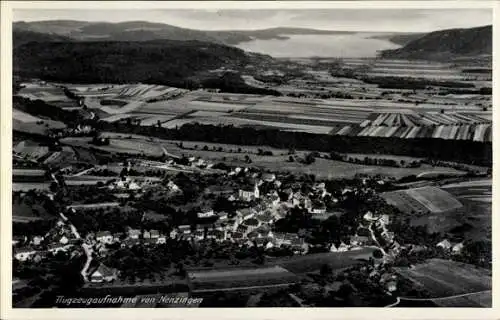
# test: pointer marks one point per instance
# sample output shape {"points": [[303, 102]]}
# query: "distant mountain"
{"points": [[146, 31], [399, 38], [446, 44]]}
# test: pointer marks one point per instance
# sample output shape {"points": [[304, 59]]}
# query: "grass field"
{"points": [[442, 278], [322, 168], [235, 278], [434, 199], [424, 199], [476, 197], [399, 113], [26, 213], [313, 262]]}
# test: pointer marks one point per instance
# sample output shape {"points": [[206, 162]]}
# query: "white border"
{"points": [[245, 313]]}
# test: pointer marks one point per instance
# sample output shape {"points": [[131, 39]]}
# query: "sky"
{"points": [[378, 20]]}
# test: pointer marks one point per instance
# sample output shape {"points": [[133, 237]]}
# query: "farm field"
{"points": [[323, 168], [26, 186], [313, 262], [480, 299], [443, 278], [47, 92], [25, 213], [236, 278], [426, 116], [420, 200], [130, 146], [30, 149], [415, 69], [476, 197]]}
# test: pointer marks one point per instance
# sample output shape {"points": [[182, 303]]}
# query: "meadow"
{"points": [[442, 278]]}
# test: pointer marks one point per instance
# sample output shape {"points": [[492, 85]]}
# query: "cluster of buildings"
{"points": [[38, 247]]}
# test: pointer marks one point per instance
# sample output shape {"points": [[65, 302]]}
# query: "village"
{"points": [[254, 216]]}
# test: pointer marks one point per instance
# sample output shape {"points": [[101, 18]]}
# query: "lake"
{"points": [[357, 45]]}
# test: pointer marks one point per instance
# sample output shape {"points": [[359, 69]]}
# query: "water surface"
{"points": [[356, 45]]}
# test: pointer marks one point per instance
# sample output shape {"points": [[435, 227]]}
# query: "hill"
{"points": [[446, 44], [173, 63], [146, 31], [21, 37]]}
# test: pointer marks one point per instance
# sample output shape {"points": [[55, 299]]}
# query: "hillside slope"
{"points": [[174, 63], [20, 37], [446, 44]]}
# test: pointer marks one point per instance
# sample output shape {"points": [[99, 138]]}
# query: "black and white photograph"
{"points": [[251, 158]]}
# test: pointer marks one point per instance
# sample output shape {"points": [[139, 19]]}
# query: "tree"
{"points": [[326, 270], [310, 158]]}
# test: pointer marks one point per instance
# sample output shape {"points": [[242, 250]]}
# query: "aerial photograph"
{"points": [[203, 158]]}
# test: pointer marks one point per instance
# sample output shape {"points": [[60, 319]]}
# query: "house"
{"points": [[341, 248], [154, 234], [103, 274], [129, 242], [252, 222], [161, 239], [39, 256], [19, 240], [249, 193], [55, 248], [266, 217], [236, 235], [318, 208], [24, 254], [37, 240], [269, 177], [184, 229], [134, 233], [359, 240], [384, 219], [104, 237], [172, 186], [117, 236], [246, 213], [391, 286], [146, 235], [445, 244], [173, 234], [242, 229], [63, 240], [298, 244], [270, 245], [369, 216], [457, 248], [206, 213]]}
